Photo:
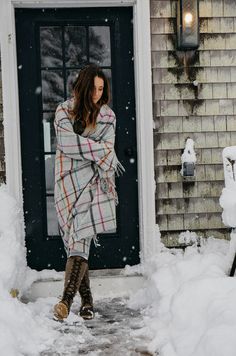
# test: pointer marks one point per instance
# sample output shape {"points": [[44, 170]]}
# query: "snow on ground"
{"points": [[186, 307], [188, 304], [12, 249], [107, 334], [21, 331]]}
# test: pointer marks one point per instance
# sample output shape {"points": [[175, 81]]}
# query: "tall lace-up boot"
{"points": [[86, 309], [75, 269]]}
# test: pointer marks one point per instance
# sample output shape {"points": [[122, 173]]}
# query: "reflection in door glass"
{"points": [[107, 72], [52, 218], [49, 132], [71, 76], [99, 45], [52, 88], [51, 46], [75, 46], [49, 173]]}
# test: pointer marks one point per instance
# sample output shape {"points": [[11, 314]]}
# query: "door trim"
{"points": [[143, 94]]}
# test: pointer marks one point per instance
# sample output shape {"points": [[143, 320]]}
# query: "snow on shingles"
{"points": [[228, 195]]}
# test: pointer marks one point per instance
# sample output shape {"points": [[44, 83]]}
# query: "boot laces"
{"points": [[85, 292], [71, 288]]}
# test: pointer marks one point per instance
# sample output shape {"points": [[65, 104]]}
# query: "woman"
{"points": [[85, 167]]}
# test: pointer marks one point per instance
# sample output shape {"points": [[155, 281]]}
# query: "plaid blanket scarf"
{"points": [[85, 168]]}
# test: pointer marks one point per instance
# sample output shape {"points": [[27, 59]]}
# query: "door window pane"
{"points": [[99, 45], [71, 76], [51, 46], [81, 45], [49, 173], [49, 132], [107, 73], [52, 89], [52, 221], [75, 46]]}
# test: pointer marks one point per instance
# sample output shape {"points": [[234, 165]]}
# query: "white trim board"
{"points": [[71, 3], [143, 94]]}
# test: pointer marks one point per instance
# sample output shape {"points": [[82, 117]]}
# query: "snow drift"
{"points": [[12, 249], [22, 332], [188, 301]]}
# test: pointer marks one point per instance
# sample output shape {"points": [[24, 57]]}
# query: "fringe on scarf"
{"points": [[95, 241], [119, 170]]}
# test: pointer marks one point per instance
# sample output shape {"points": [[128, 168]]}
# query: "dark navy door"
{"points": [[52, 46]]}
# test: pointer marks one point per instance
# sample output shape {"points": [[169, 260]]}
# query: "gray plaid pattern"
{"points": [[81, 248], [83, 207]]}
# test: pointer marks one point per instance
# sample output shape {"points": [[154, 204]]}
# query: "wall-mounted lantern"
{"points": [[187, 24], [188, 169], [188, 159]]}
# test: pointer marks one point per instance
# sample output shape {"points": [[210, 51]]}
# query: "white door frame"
{"points": [[143, 94]]}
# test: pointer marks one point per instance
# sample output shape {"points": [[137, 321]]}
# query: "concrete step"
{"points": [[104, 284]]}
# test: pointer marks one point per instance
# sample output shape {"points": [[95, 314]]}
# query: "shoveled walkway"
{"points": [[112, 332]]}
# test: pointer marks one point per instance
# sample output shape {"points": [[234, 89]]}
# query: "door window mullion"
{"points": [[64, 62], [87, 44]]}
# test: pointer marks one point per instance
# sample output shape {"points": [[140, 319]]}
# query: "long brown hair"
{"points": [[85, 111]]}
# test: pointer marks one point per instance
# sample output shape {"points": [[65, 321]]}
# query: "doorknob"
{"points": [[129, 152]]}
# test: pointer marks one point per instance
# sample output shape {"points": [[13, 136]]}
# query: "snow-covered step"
{"points": [[103, 284]]}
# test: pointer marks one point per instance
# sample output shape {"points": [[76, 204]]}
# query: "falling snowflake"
{"points": [[38, 90]]}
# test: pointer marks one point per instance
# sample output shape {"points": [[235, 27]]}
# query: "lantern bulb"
{"points": [[188, 19]]}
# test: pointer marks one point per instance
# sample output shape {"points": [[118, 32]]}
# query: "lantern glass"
{"points": [[187, 24]]}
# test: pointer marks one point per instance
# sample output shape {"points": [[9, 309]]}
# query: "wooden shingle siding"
{"points": [[194, 96], [2, 160]]}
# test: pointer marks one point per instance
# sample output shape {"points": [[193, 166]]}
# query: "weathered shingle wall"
{"points": [[2, 161], [194, 97]]}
